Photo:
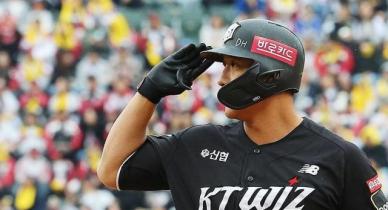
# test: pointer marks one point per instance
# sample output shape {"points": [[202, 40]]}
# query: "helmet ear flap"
{"points": [[269, 79]]}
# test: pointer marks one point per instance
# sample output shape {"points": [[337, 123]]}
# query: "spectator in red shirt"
{"points": [[7, 171]]}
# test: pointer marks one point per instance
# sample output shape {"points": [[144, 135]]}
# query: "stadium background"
{"points": [[67, 68]]}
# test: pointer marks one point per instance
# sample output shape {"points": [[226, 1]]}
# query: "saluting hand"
{"points": [[174, 74]]}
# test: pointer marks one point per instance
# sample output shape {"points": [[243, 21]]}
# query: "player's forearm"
{"points": [[126, 136], [173, 75]]}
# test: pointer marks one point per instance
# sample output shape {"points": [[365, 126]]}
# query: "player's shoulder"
{"points": [[197, 133], [329, 138], [207, 130]]}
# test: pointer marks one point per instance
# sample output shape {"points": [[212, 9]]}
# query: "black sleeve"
{"points": [[362, 189], [145, 169]]}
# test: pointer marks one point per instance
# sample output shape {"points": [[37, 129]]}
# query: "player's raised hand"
{"points": [[174, 74]]}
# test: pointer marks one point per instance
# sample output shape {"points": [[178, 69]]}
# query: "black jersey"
{"points": [[219, 167]]}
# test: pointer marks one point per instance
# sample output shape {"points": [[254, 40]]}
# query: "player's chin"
{"points": [[231, 113]]}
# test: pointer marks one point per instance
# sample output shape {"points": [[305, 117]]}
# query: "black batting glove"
{"points": [[174, 74]]}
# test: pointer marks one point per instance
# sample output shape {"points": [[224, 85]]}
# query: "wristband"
{"points": [[149, 90]]}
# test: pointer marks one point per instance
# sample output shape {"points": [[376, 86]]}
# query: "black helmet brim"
{"points": [[218, 54]]}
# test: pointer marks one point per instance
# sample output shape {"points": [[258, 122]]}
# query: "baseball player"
{"points": [[271, 158]]}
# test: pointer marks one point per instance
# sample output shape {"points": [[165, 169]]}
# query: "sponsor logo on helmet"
{"points": [[374, 184], [229, 33], [256, 98], [275, 50]]}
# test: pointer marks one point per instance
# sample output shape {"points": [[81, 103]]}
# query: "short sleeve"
{"points": [[145, 168], [362, 189]]}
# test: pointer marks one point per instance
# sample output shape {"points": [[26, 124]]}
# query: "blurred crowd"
{"points": [[68, 67]]}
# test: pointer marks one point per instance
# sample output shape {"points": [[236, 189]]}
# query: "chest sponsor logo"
{"points": [[257, 197], [275, 50], [215, 155], [230, 31], [309, 169], [374, 184]]}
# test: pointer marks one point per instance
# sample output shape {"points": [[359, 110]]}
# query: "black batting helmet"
{"points": [[275, 50]]}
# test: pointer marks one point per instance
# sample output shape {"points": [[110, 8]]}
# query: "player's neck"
{"points": [[272, 124]]}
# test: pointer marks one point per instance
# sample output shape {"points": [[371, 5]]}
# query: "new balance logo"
{"points": [[309, 169]]}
